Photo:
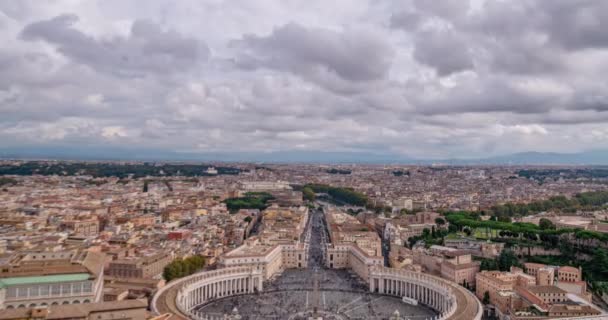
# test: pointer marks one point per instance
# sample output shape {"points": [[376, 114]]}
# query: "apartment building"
{"points": [[146, 266], [460, 268], [82, 228]]}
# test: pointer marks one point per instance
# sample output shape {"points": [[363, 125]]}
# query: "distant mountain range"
{"points": [[595, 157]]}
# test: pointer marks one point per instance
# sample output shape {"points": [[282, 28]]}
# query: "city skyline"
{"points": [[393, 79]]}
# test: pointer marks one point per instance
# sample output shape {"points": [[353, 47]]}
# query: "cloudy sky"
{"points": [[418, 78]]}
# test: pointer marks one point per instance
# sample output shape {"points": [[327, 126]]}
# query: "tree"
{"points": [[468, 231], [426, 232], [546, 224], [308, 194], [439, 221], [452, 228], [183, 267], [412, 241], [504, 219], [488, 264], [506, 260], [486, 297]]}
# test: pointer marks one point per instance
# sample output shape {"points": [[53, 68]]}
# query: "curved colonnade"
{"points": [[450, 300], [180, 297]]}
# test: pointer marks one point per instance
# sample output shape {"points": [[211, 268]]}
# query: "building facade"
{"points": [[139, 267], [50, 279]]}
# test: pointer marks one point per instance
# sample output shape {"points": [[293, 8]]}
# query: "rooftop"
{"points": [[546, 289], [16, 281]]}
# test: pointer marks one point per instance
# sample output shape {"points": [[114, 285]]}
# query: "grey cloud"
{"points": [[593, 99], [516, 37], [447, 9], [406, 19], [488, 96], [579, 24], [14, 9], [148, 49], [351, 56], [558, 27], [445, 51]]}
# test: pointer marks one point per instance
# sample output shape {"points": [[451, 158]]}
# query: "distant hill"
{"points": [[595, 157]]}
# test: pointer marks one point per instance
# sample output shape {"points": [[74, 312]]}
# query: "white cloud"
{"points": [[114, 132]]}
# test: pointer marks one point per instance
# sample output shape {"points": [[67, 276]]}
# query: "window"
{"points": [[11, 293], [55, 289]]}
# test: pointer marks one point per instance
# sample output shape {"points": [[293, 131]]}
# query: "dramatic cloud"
{"points": [[419, 78], [147, 49], [352, 55], [443, 50]]}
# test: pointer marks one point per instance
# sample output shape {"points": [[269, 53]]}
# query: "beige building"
{"points": [[545, 275], [283, 225], [269, 259], [569, 274], [568, 278], [139, 267], [278, 246], [51, 278], [351, 256], [500, 284], [517, 296], [352, 246], [83, 228], [123, 310], [460, 269]]}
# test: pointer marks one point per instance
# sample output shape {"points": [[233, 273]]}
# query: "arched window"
{"points": [[21, 306], [66, 302], [86, 301], [55, 303], [32, 305], [10, 307], [76, 302]]}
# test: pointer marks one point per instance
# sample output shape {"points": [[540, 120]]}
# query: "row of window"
{"points": [[52, 290], [44, 304]]}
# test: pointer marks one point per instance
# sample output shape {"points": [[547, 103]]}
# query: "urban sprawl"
{"points": [[135, 240]]}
